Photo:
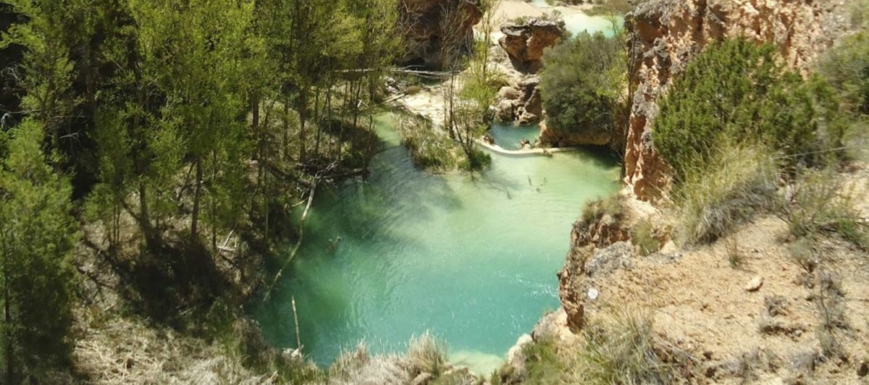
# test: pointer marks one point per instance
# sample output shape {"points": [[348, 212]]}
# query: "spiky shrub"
{"points": [[736, 90], [817, 202], [642, 236], [596, 209], [425, 354], [846, 67], [543, 364], [737, 182], [622, 349]]}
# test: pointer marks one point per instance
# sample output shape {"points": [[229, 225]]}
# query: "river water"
{"points": [[473, 260]]}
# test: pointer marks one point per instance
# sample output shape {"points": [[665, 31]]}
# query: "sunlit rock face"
{"points": [[430, 26], [663, 37], [525, 42]]}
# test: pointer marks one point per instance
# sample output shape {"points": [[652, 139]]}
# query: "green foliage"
{"points": [[543, 363], [726, 192], [736, 90], [846, 67], [429, 149], [37, 236], [582, 84]]}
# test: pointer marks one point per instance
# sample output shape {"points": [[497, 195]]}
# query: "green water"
{"points": [[471, 260], [509, 136], [577, 22]]}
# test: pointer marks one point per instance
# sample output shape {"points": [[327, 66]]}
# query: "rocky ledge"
{"points": [[525, 42]]}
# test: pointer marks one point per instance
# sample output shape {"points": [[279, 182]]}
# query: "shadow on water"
{"points": [[472, 259]]}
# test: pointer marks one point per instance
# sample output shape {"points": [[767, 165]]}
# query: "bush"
{"points": [[735, 90], [428, 149], [846, 68], [623, 350], [816, 203], [581, 84], [596, 209], [427, 355], [728, 191], [543, 365]]}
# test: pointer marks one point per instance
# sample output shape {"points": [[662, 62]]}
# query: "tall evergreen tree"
{"points": [[37, 236]]}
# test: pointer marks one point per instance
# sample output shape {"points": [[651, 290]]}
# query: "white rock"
{"points": [[593, 293], [754, 284]]}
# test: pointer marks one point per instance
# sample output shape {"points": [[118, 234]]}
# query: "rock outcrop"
{"points": [[520, 103], [430, 24], [589, 137], [525, 42], [665, 35]]}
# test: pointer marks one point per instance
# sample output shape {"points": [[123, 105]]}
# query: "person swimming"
{"points": [[333, 244]]}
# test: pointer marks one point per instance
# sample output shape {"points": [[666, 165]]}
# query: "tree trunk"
{"points": [[7, 318], [197, 195]]}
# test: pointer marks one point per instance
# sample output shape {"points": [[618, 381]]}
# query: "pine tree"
{"points": [[37, 236]]}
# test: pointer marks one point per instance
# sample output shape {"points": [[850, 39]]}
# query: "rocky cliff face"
{"points": [[664, 36], [429, 25], [525, 42]]}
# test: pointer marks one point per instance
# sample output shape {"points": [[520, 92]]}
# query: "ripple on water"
{"points": [[473, 260]]}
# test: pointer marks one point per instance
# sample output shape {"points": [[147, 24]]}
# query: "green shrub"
{"points": [[736, 90], [429, 150], [582, 82], [737, 182]]}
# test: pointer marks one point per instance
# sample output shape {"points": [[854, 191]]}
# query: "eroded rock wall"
{"points": [[525, 42], [664, 35], [428, 26]]}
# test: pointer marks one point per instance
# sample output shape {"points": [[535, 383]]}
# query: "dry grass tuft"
{"points": [[642, 236], [738, 183], [622, 349]]}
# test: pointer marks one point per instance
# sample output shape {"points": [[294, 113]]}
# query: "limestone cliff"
{"points": [[430, 25], [664, 35]]}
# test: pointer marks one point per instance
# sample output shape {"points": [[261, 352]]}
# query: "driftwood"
{"points": [[298, 242]]}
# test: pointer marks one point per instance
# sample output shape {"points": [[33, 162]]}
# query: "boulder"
{"points": [[520, 102], [509, 93], [525, 42], [505, 110]]}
